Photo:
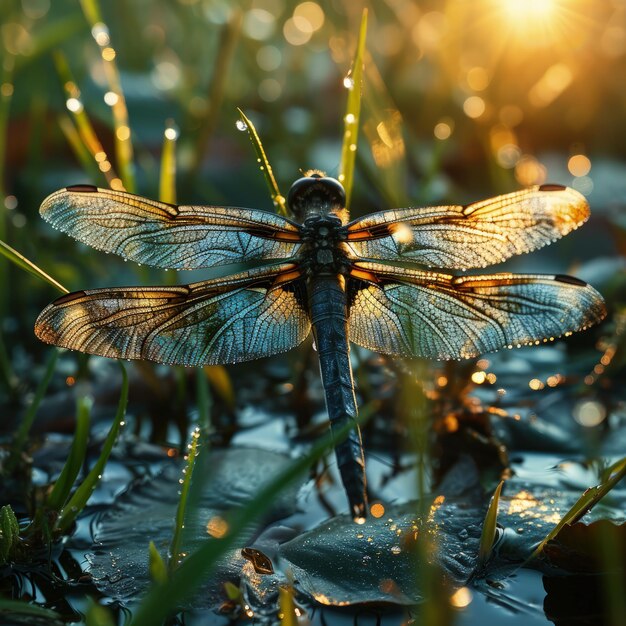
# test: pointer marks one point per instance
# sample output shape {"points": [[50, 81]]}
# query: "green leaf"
{"points": [[79, 500], [277, 198], [156, 565], [9, 533], [612, 476], [232, 591], [23, 608], [64, 483], [98, 615], [27, 421], [488, 534], [353, 82], [22, 262]]}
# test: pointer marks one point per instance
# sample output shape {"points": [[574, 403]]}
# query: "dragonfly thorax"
{"points": [[323, 235]]}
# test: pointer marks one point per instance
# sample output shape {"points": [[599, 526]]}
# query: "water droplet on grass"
{"points": [[241, 125]]}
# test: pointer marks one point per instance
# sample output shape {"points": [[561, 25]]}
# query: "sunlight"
{"points": [[529, 10]]}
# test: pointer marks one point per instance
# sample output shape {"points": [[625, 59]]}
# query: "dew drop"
{"points": [[348, 82], [396, 549], [241, 125]]}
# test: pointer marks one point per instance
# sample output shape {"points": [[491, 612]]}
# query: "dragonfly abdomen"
{"points": [[328, 307]]}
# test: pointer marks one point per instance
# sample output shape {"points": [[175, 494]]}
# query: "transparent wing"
{"points": [[437, 316], [243, 317], [164, 235], [476, 235]]}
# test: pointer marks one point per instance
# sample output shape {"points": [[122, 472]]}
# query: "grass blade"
{"points": [[156, 565], [27, 421], [488, 534], [203, 400], [64, 483], [122, 135], [79, 499], [24, 608], [352, 82], [83, 123], [9, 380], [287, 607], [78, 147], [6, 95], [277, 198], [226, 49], [192, 453], [21, 261], [586, 502], [167, 180]]}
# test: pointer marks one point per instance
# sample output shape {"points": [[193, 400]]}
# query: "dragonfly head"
{"points": [[315, 194]]}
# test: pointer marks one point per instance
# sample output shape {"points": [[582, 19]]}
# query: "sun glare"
{"points": [[529, 9]]}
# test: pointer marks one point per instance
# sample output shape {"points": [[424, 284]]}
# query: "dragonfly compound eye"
{"points": [[315, 194]]}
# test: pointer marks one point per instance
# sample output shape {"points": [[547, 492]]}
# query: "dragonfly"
{"points": [[380, 281]]}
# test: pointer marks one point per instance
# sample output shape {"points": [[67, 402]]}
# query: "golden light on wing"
{"points": [[240, 318], [475, 235]]}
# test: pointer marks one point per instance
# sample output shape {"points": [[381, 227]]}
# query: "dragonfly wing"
{"points": [[165, 235], [412, 313], [476, 235], [243, 317]]}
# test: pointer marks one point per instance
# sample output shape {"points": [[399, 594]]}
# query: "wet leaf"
{"points": [[119, 563], [579, 547], [340, 563]]}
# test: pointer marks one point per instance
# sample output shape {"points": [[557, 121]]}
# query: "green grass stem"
{"points": [[6, 369], [79, 148], [203, 401], [167, 179], [225, 53], [22, 262], [277, 198], [85, 128], [488, 534], [353, 82], [287, 606], [81, 496], [156, 565], [586, 502], [24, 608], [122, 133], [29, 417], [76, 458], [175, 546]]}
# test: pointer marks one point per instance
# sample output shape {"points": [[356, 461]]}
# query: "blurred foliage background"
{"points": [[461, 100]]}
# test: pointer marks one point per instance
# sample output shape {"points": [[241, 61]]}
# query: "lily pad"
{"points": [[119, 558], [340, 563]]}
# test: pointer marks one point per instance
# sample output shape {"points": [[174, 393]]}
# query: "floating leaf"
{"points": [[148, 510]]}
